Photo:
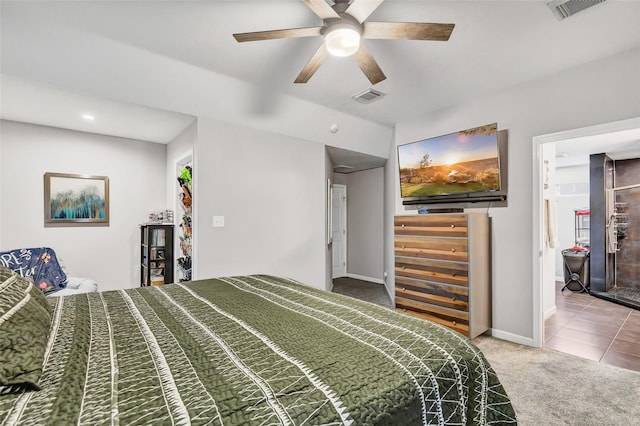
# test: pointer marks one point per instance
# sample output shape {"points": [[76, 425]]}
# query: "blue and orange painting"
{"points": [[461, 162], [77, 198]]}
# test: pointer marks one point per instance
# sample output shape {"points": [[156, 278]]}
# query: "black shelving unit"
{"points": [[156, 254], [582, 227]]}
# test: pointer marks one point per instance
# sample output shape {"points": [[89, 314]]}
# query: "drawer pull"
{"points": [[453, 250], [454, 275], [403, 225], [454, 323], [404, 289], [452, 225], [453, 299], [403, 246], [404, 267]]}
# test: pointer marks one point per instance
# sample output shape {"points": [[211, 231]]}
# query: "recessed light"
{"points": [[88, 117]]}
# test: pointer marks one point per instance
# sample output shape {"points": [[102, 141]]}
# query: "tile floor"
{"points": [[593, 328]]}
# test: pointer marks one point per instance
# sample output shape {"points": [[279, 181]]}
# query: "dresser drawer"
{"points": [[433, 299], [450, 292], [432, 270], [431, 225], [456, 320], [454, 249]]}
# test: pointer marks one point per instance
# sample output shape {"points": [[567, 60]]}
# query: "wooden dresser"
{"points": [[442, 264]]}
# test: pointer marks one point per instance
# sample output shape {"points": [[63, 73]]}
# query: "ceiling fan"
{"points": [[343, 28]]}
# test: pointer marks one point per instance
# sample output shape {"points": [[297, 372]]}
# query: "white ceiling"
{"points": [[39, 104], [495, 45], [619, 145]]}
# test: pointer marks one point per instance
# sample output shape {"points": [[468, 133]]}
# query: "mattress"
{"points": [[251, 350]]}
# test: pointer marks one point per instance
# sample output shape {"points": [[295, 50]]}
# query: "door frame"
{"points": [[538, 205], [344, 243]]}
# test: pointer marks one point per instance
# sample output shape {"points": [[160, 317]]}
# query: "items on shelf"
{"points": [[165, 216], [582, 227], [621, 220], [185, 196], [156, 254]]}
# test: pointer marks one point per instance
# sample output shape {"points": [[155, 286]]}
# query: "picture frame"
{"points": [[76, 200]]}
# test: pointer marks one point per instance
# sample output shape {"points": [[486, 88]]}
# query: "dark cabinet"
{"points": [[156, 255]]}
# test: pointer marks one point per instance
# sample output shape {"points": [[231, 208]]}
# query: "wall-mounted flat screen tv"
{"points": [[458, 165]]}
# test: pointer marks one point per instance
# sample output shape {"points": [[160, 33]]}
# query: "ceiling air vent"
{"points": [[565, 8], [368, 96]]}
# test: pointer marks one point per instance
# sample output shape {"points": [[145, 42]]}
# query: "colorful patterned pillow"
{"points": [[38, 264], [25, 319]]}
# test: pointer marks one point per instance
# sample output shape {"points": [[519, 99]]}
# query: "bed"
{"points": [[248, 350]]}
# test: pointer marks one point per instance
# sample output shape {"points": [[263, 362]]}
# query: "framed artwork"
{"points": [[76, 200]]}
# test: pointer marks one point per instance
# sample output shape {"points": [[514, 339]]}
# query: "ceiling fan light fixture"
{"points": [[342, 41], [343, 25]]}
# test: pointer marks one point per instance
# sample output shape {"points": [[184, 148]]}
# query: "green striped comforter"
{"points": [[253, 350]]}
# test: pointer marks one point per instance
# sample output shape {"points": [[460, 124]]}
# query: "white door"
{"points": [[339, 219]]}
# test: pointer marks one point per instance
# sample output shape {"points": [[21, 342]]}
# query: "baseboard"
{"points": [[515, 338], [550, 312], [561, 279], [363, 278]]}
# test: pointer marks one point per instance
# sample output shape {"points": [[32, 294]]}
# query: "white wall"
{"points": [[136, 172], [271, 190], [365, 219], [566, 205], [594, 93], [576, 176]]}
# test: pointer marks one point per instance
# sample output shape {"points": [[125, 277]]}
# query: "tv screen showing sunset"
{"points": [[457, 163]]}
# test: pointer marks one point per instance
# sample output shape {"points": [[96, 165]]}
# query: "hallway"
{"points": [[363, 290]]}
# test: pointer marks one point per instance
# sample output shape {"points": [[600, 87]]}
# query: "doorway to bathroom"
{"points": [[575, 321], [615, 137]]}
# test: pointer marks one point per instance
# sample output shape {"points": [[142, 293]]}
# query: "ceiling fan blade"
{"points": [[275, 34], [361, 9], [368, 65], [407, 31], [313, 65], [321, 8]]}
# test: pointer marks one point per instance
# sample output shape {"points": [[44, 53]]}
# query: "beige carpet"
{"points": [[552, 388]]}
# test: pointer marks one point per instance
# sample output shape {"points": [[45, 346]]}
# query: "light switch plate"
{"points": [[218, 221]]}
